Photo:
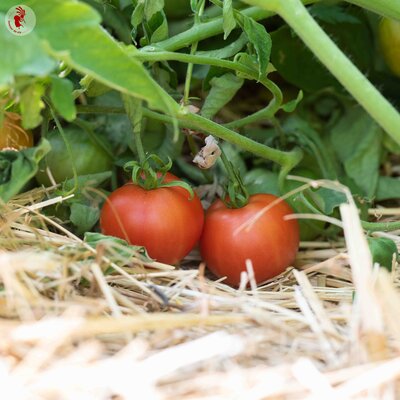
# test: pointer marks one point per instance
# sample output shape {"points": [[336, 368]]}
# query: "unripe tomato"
{"points": [[12, 135], [271, 242], [389, 36], [163, 220], [88, 157]]}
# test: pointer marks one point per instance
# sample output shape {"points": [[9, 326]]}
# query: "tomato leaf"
{"points": [[32, 105], [113, 245], [260, 39], [357, 140], [223, 88], [388, 188], [152, 7], [18, 167], [84, 217], [291, 105], [62, 98], [382, 251], [23, 57], [228, 19]]}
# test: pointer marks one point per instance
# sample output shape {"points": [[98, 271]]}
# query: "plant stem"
{"points": [[297, 16], [197, 122], [209, 29], [232, 65], [380, 226]]}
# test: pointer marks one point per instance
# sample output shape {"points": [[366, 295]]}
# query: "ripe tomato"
{"points": [[12, 135], [389, 35], [163, 220], [271, 243], [89, 157]]}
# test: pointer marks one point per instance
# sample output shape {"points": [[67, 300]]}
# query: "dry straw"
{"points": [[71, 329]]}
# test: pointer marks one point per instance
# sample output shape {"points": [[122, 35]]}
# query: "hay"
{"points": [[326, 329]]}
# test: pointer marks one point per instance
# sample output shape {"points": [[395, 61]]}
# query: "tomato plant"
{"points": [[164, 220], [270, 242], [389, 35], [12, 135], [86, 156]]}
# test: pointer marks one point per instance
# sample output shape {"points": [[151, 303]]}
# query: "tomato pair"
{"points": [[169, 224]]}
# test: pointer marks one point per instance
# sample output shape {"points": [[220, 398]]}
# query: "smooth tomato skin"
{"points": [[271, 243], [164, 220]]}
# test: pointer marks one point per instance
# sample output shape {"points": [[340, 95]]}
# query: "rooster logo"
{"points": [[20, 17], [20, 20]]}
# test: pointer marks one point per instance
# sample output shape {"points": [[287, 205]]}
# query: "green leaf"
{"points": [[223, 89], [159, 25], [388, 188], [18, 167], [152, 7], [125, 250], [332, 14], [228, 51], [382, 251], [72, 33], [62, 98], [327, 200], [84, 217], [357, 141], [297, 64], [137, 17], [228, 19], [260, 180], [92, 87], [31, 105], [22, 56], [260, 39], [291, 105], [86, 181]]}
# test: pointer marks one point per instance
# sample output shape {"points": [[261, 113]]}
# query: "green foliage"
{"points": [[62, 98], [17, 168], [228, 18], [383, 250]]}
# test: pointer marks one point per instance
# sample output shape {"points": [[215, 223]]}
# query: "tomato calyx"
{"points": [[150, 174], [236, 194]]}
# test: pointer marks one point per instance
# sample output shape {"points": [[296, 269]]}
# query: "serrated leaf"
{"points": [[62, 98], [223, 89], [328, 200], [260, 39], [228, 18], [31, 105]]}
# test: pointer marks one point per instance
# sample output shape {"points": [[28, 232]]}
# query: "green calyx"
{"points": [[151, 173], [236, 194]]}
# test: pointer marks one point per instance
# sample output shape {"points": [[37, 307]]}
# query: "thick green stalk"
{"points": [[209, 29], [297, 16], [197, 122]]}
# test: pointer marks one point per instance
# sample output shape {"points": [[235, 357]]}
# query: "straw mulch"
{"points": [[71, 329]]}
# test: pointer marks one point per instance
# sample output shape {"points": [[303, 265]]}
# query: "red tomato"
{"points": [[271, 243], [164, 220]]}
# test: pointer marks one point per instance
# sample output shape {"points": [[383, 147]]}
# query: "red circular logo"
{"points": [[20, 20]]}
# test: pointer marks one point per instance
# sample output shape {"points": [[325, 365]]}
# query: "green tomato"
{"points": [[389, 37], [87, 157]]}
